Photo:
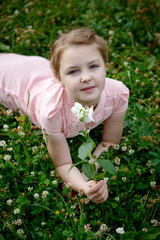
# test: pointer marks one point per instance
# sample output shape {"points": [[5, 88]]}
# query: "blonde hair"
{"points": [[81, 36]]}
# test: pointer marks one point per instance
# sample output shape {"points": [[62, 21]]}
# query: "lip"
{"points": [[88, 89]]}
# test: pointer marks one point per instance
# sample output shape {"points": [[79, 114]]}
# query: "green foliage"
{"points": [[49, 210]]}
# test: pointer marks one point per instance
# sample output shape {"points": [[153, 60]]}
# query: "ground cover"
{"points": [[33, 203]]}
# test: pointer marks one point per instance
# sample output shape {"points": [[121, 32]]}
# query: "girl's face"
{"points": [[82, 73]]}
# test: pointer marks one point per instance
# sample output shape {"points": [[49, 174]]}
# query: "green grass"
{"points": [[30, 28]]}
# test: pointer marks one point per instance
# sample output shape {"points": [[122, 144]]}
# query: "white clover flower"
{"points": [[117, 161], [116, 147], [152, 170], [119, 20], [43, 223], [131, 151], [7, 157], [137, 70], [32, 173], [9, 202], [106, 178], [117, 199], [148, 164], [19, 128], [54, 182], [145, 230], [120, 230], [36, 195], [73, 206], [98, 234], [124, 148], [86, 201], [72, 214], [134, 118], [52, 173], [16, 12], [80, 193], [154, 222], [44, 194], [68, 185], [116, 168], [30, 189], [124, 179], [125, 64], [35, 149], [10, 149], [6, 127], [16, 211], [111, 33], [108, 238], [1, 165], [20, 232], [103, 228], [19, 222], [153, 184], [3, 143], [9, 111], [87, 227], [83, 113], [21, 133], [1, 177]]}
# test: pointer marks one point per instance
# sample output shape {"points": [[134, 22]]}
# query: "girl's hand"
{"points": [[96, 191]]}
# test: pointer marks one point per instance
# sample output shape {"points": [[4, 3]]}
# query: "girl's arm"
{"points": [[112, 132], [59, 151]]}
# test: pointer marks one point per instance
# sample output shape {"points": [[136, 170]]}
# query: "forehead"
{"points": [[76, 53]]}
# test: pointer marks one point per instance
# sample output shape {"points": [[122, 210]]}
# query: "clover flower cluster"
{"points": [[44, 194], [3, 143], [20, 232], [16, 211], [17, 222], [120, 230], [87, 227], [9, 202], [83, 113]]}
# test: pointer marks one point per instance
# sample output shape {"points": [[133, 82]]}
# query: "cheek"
{"points": [[71, 86]]}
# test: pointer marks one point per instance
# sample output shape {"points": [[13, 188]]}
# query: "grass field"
{"points": [[33, 204]]}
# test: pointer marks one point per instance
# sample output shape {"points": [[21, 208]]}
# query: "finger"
{"points": [[96, 187], [101, 195], [102, 198]]}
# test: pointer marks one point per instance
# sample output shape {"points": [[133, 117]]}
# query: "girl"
{"points": [[78, 61]]}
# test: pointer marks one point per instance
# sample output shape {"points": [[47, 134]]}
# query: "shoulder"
{"points": [[115, 88], [51, 100], [51, 110]]}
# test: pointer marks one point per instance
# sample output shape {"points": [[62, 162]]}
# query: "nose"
{"points": [[85, 77]]}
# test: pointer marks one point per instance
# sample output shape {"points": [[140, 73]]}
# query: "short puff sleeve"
{"points": [[51, 125], [122, 103]]}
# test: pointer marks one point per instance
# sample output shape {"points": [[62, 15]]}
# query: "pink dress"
{"points": [[28, 84]]}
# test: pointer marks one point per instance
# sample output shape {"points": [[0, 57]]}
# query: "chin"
{"points": [[89, 103]]}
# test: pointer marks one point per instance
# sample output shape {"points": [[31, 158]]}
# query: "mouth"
{"points": [[88, 89]]}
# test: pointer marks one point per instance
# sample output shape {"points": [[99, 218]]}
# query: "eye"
{"points": [[73, 72], [94, 66]]}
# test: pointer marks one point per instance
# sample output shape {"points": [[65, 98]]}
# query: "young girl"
{"points": [[78, 61]]}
